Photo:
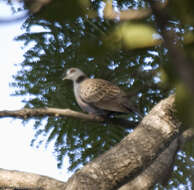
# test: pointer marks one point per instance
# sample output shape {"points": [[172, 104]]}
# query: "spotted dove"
{"points": [[98, 96]]}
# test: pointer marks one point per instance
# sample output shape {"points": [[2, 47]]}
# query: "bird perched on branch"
{"points": [[98, 96]]}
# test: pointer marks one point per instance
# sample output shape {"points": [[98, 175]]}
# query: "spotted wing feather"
{"points": [[103, 95], [98, 90]]}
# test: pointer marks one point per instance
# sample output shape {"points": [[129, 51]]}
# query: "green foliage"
{"points": [[185, 104], [69, 38], [132, 36]]}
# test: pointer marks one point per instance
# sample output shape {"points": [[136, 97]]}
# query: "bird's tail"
{"points": [[136, 112], [133, 109]]}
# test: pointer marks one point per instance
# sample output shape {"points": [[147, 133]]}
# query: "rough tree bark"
{"points": [[128, 165], [27, 181], [134, 153]]}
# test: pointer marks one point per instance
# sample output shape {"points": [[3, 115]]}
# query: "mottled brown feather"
{"points": [[103, 94], [95, 90]]}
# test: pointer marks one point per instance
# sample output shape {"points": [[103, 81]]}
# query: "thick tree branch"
{"points": [[157, 172], [36, 112], [160, 170], [135, 152], [23, 180], [124, 162]]}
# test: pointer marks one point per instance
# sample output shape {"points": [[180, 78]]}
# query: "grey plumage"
{"points": [[98, 96]]}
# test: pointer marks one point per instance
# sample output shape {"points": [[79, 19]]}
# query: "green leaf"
{"points": [[133, 36]]}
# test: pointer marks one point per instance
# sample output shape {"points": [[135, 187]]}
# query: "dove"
{"points": [[98, 96]]}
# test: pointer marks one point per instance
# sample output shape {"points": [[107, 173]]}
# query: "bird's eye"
{"points": [[72, 71]]}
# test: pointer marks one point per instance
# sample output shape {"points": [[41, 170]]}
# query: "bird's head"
{"points": [[74, 74]]}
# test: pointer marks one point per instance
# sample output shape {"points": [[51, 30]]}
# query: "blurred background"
{"points": [[56, 35]]}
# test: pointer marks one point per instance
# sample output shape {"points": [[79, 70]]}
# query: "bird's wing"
{"points": [[96, 91]]}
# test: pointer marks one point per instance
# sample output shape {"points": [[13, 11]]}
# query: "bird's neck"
{"points": [[76, 84], [80, 79]]}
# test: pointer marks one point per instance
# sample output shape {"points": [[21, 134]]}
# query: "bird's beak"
{"points": [[65, 78]]}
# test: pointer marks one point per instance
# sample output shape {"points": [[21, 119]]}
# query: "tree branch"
{"points": [[37, 112], [123, 163], [23, 180], [160, 170], [134, 153]]}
